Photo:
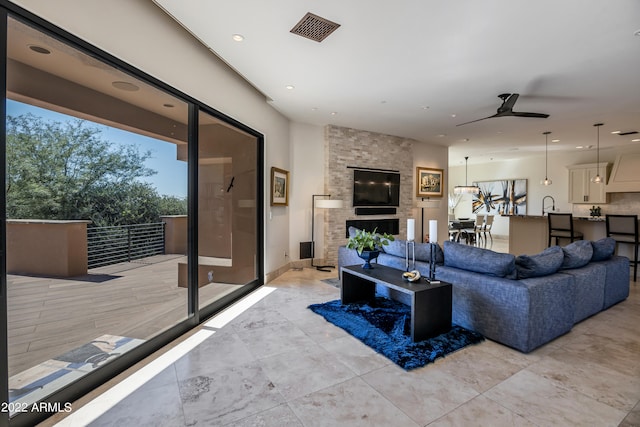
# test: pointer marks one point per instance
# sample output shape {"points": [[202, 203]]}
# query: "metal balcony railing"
{"points": [[125, 243]]}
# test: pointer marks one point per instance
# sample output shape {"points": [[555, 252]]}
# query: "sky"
{"points": [[171, 176]]}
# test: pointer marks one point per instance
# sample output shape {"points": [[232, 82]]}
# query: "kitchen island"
{"points": [[528, 234]]}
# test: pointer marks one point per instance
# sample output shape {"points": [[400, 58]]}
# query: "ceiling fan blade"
{"points": [[473, 121], [508, 104], [536, 115], [506, 109]]}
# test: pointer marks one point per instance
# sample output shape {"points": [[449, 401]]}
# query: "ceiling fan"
{"points": [[506, 109]]}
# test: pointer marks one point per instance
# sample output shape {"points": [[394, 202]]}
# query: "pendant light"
{"points": [[461, 189], [598, 179], [546, 181]]}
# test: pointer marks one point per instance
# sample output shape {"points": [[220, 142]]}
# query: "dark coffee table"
{"points": [[430, 303]]}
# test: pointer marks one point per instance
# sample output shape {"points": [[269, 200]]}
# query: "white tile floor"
{"points": [[279, 364]]}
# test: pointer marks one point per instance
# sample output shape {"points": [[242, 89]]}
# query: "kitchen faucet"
{"points": [[553, 204]]}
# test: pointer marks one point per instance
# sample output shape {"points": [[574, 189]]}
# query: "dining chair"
{"points": [[561, 227], [477, 229], [624, 229], [486, 228]]}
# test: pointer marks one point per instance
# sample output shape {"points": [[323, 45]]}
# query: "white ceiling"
{"points": [[416, 68]]}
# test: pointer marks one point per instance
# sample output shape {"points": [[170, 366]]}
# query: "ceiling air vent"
{"points": [[314, 27]]}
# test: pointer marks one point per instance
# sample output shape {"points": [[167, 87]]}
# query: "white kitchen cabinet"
{"points": [[581, 189]]}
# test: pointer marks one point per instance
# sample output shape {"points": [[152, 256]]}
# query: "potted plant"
{"points": [[368, 244]]}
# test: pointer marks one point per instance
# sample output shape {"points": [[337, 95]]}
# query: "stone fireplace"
{"points": [[346, 149]]}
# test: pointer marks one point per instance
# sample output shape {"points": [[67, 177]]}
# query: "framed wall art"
{"points": [[429, 182], [501, 197], [279, 187]]}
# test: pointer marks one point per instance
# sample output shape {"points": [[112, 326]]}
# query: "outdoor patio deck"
{"points": [[50, 316]]}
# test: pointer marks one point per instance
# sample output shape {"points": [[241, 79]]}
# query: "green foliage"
{"points": [[67, 171], [369, 240]]}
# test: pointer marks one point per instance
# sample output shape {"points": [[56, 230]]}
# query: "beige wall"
{"points": [[47, 248], [175, 234]]}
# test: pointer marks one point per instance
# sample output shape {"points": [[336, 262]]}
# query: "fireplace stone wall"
{"points": [[346, 148]]}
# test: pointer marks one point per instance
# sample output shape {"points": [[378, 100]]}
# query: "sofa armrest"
{"points": [[346, 257], [616, 283]]}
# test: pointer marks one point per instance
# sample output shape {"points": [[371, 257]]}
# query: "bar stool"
{"points": [[624, 229], [561, 226]]}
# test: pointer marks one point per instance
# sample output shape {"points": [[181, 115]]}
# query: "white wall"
{"points": [[533, 169], [431, 156], [307, 155], [139, 33]]}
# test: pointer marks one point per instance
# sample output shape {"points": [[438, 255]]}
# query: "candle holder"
{"points": [[410, 244]]}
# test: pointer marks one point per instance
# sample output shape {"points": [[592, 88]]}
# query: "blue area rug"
{"points": [[384, 325]]}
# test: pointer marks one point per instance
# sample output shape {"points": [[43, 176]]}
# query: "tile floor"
{"points": [[279, 364]]}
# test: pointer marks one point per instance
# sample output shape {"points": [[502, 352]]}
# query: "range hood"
{"points": [[625, 175]]}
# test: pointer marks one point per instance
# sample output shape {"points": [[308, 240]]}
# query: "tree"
{"points": [[67, 171]]}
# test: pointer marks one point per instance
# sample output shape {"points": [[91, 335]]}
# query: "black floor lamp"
{"points": [[322, 204], [429, 204]]}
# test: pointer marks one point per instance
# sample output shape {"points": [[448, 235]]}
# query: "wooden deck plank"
{"points": [[49, 316]]}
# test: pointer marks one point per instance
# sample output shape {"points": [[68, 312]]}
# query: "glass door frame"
{"points": [[195, 314]]}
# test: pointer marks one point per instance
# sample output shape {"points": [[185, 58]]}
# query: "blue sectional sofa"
{"points": [[525, 301]]}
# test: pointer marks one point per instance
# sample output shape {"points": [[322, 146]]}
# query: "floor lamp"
{"points": [[322, 204], [429, 204]]}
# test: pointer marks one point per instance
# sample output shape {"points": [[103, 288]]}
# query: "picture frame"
{"points": [[501, 197], [279, 187], [429, 182]]}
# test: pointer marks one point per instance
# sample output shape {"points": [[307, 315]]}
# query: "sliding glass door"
{"points": [[227, 210], [128, 217]]}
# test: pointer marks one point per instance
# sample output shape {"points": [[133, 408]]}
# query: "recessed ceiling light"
{"points": [[126, 86], [635, 140], [579, 146], [39, 49], [237, 37], [333, 113], [453, 115], [616, 132], [442, 135], [314, 109], [290, 87], [425, 107], [555, 140]]}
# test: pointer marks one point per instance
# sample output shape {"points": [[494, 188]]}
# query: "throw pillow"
{"points": [[603, 249], [479, 260], [396, 248], [577, 254], [546, 262]]}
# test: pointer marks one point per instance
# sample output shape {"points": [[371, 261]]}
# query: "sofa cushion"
{"points": [[422, 250], [577, 254], [603, 249], [479, 260], [546, 262]]}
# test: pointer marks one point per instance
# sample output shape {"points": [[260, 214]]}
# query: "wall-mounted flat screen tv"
{"points": [[376, 188]]}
